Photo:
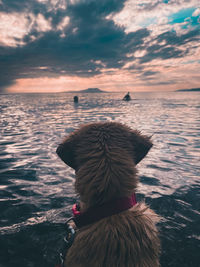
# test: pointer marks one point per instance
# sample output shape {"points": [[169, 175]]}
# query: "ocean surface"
{"points": [[36, 187]]}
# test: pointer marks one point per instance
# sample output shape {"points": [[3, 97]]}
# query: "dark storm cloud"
{"points": [[172, 47], [173, 39], [92, 42], [161, 52], [89, 43]]}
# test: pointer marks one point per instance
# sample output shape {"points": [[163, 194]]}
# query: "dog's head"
{"points": [[104, 156]]}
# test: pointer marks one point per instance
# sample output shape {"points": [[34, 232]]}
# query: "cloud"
{"points": [[14, 27], [170, 45], [150, 73], [88, 38], [196, 12]]}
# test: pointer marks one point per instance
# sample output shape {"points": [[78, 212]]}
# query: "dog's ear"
{"points": [[66, 152], [141, 145]]}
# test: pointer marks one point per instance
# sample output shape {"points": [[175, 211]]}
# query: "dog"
{"points": [[104, 156]]}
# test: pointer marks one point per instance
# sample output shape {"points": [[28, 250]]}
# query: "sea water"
{"points": [[36, 187]]}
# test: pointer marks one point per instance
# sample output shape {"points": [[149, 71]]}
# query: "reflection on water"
{"points": [[36, 188]]}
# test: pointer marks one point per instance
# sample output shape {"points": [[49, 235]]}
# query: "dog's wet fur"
{"points": [[104, 156]]}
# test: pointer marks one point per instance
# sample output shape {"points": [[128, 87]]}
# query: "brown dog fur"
{"points": [[104, 156]]}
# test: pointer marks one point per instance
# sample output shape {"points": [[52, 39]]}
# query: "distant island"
{"points": [[189, 90], [89, 90]]}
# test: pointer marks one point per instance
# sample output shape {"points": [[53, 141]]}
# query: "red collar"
{"points": [[107, 209]]}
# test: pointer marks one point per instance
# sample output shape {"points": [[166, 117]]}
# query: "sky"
{"points": [[114, 45]]}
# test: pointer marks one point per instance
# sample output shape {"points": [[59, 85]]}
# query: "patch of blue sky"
{"points": [[181, 15], [191, 22], [185, 16], [147, 22]]}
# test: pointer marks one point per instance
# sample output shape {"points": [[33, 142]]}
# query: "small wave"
{"points": [[149, 180], [164, 169]]}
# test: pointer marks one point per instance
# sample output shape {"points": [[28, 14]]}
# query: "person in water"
{"points": [[127, 97], [75, 99]]}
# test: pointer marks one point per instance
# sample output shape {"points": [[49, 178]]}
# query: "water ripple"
{"points": [[37, 189]]}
